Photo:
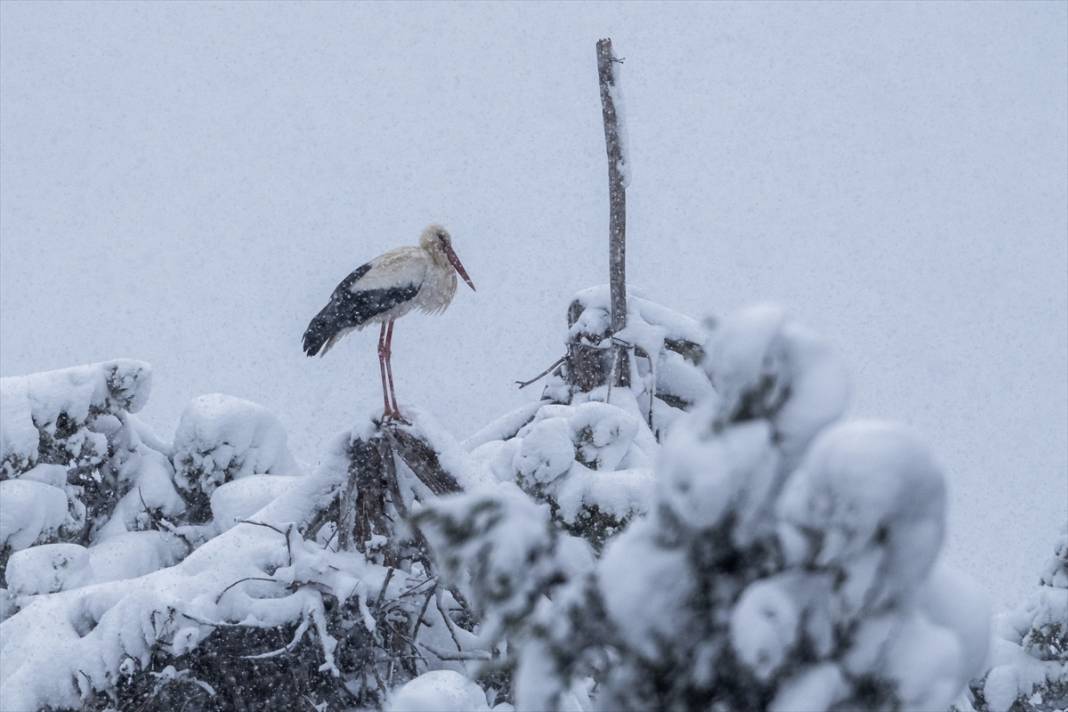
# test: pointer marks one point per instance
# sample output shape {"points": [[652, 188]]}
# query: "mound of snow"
{"points": [[438, 691], [220, 439], [30, 511], [132, 554], [48, 568], [242, 498]]}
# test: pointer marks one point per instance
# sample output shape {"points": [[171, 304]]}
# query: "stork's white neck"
{"points": [[437, 254], [440, 285]]}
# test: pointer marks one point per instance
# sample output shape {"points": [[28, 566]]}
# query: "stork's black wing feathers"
{"points": [[348, 309]]}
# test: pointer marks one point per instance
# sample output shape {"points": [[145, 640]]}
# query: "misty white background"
{"points": [[186, 183]]}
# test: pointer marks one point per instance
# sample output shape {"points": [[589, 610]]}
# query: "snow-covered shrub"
{"points": [[590, 462], [664, 351], [1029, 671], [505, 554], [63, 417], [787, 562], [520, 555], [88, 494], [221, 438], [270, 613], [75, 464], [587, 449]]}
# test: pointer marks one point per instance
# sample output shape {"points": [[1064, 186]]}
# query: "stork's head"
{"points": [[436, 241]]}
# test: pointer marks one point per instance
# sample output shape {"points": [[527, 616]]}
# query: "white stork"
{"points": [[382, 291]]}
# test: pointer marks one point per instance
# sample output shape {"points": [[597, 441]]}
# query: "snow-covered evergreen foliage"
{"points": [[587, 450], [664, 350], [592, 463], [1029, 665], [710, 535], [278, 604], [77, 466], [786, 562]]}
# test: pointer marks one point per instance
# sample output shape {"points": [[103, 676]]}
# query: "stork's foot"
{"points": [[395, 415]]}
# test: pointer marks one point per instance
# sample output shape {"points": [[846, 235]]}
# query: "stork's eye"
{"points": [[443, 237]]}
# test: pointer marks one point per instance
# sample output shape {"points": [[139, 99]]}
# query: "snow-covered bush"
{"points": [[63, 417], [664, 350], [1029, 671], [75, 464], [592, 463], [283, 609], [587, 449], [787, 562], [88, 494], [520, 555]]}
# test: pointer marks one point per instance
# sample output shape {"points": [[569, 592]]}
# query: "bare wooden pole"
{"points": [[617, 200]]}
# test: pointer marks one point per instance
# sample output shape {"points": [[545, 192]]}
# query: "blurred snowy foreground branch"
{"points": [[712, 535]]}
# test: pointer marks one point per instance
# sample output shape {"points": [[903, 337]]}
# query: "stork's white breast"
{"points": [[410, 266]]}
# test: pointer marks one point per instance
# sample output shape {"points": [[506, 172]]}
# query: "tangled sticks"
{"points": [[374, 492]]}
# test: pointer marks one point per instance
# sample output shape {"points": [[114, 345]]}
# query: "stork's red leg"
{"points": [[382, 352], [389, 367]]}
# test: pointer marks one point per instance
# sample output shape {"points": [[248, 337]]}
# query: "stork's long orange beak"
{"points": [[459, 267]]}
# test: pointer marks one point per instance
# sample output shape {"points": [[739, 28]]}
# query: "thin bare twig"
{"points": [[543, 374], [438, 595], [412, 590], [160, 521], [242, 580], [298, 635], [378, 681], [412, 645], [382, 592], [261, 524], [213, 624], [472, 655], [422, 612], [326, 545], [285, 534]]}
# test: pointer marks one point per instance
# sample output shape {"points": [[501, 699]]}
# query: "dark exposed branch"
{"points": [[617, 199]]}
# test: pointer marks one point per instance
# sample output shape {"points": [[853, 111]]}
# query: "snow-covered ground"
{"points": [[185, 183]]}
